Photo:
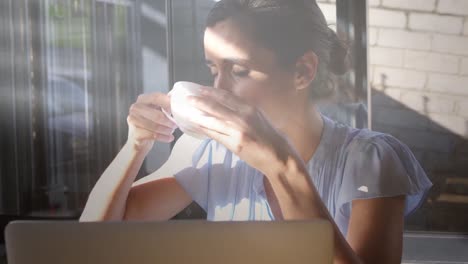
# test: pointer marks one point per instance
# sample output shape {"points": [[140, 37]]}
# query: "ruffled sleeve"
{"points": [[382, 166]]}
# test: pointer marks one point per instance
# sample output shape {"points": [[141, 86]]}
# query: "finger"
{"points": [[154, 115], [222, 138], [144, 134], [211, 107], [156, 99], [213, 124], [224, 97], [139, 133], [144, 123], [164, 138]]}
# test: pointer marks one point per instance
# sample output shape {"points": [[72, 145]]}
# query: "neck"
{"points": [[304, 131]]}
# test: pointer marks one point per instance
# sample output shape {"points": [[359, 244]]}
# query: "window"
{"points": [[69, 72]]}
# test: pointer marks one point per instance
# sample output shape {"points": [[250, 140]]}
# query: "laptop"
{"points": [[175, 242]]}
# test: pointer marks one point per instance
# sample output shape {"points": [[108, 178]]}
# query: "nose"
{"points": [[222, 82]]}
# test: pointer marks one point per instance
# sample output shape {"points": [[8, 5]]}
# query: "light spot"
{"points": [[363, 189]]}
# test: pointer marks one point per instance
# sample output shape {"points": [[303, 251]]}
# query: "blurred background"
{"points": [[70, 69]]}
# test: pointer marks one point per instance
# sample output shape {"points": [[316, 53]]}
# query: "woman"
{"points": [[271, 155]]}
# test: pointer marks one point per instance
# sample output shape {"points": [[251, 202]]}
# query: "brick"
{"points": [[456, 7], [390, 97], [464, 66], [421, 5], [373, 36], [439, 161], [404, 39], [465, 31], [387, 18], [421, 60], [394, 131], [414, 101], [463, 108], [448, 84], [386, 56], [450, 44], [427, 103], [427, 140], [436, 23], [400, 117], [391, 77], [373, 2], [450, 123], [329, 11]]}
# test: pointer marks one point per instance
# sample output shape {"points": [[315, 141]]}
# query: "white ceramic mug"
{"points": [[181, 108]]}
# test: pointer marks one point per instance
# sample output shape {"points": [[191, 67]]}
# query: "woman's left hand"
{"points": [[242, 128]]}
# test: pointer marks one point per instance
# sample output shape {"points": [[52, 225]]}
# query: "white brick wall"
{"points": [[419, 63], [457, 7], [400, 118], [464, 66], [450, 44], [403, 39], [454, 124], [373, 2], [429, 61], [423, 5], [428, 103], [372, 34], [418, 59], [388, 97], [386, 56], [387, 18], [448, 84], [465, 31], [435, 23], [397, 77], [418, 140], [424, 140], [386, 100], [463, 108]]}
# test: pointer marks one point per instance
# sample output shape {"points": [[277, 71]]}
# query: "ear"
{"points": [[305, 70]]}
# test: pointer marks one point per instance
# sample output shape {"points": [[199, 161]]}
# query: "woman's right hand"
{"points": [[147, 123]]}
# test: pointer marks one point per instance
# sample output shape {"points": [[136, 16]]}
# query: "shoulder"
{"points": [[381, 154], [350, 140], [379, 165], [367, 141]]}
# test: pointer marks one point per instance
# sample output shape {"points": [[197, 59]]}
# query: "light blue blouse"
{"points": [[348, 164]]}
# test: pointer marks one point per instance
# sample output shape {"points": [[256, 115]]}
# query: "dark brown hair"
{"points": [[290, 28]]}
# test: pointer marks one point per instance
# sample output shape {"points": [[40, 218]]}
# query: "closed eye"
{"points": [[240, 71]]}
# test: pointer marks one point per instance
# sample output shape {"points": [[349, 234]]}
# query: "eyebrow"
{"points": [[231, 60]]}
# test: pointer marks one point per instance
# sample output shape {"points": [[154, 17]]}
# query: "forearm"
{"points": [[298, 199], [108, 198]]}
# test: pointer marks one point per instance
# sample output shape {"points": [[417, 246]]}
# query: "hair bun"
{"points": [[339, 55]]}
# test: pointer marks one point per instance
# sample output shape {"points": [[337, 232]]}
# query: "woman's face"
{"points": [[248, 70]]}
